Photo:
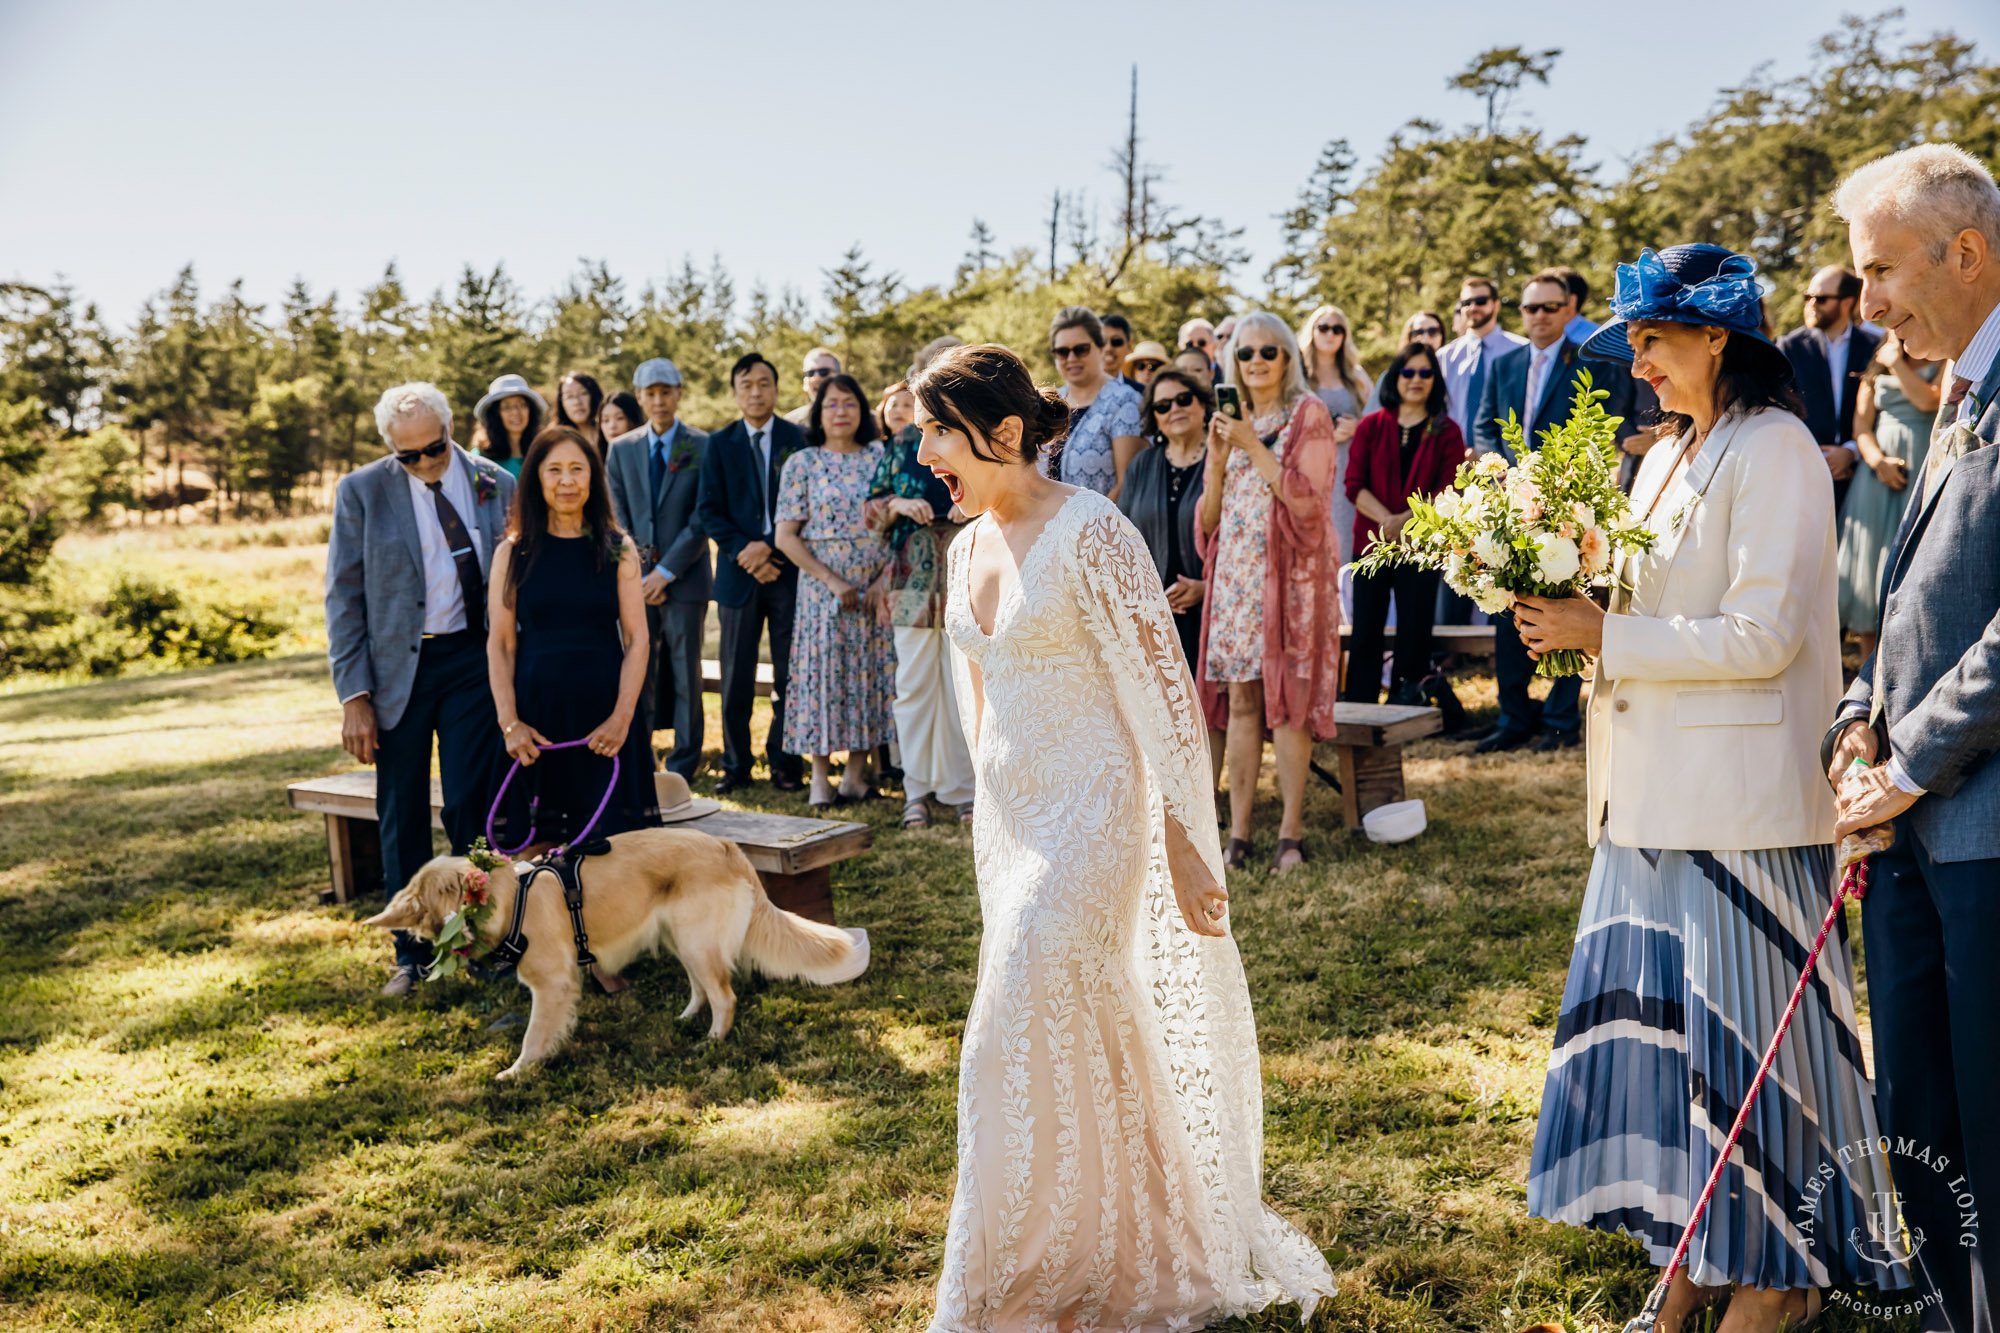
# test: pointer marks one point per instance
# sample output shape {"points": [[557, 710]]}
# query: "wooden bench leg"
{"points": [[1370, 776], [339, 859], [810, 894], [354, 855]]}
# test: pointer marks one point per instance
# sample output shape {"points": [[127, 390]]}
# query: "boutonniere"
{"points": [[485, 484], [683, 456]]}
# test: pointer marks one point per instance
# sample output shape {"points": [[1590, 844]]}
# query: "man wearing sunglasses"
{"points": [[821, 365], [1537, 384], [1468, 357], [1829, 356], [406, 572]]}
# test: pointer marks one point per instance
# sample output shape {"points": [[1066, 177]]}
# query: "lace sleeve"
{"points": [[1127, 612]]}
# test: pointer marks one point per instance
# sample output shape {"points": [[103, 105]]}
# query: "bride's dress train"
{"points": [[1110, 1113]]}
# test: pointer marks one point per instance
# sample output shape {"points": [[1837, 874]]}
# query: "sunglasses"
{"points": [[1330, 328], [1063, 353], [1475, 300], [1821, 300], [1267, 351], [1113, 340], [1541, 308], [1416, 372], [1162, 406], [1428, 331], [410, 457], [820, 372]]}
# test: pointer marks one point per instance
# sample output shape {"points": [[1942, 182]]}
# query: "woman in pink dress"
{"points": [[1271, 626]]}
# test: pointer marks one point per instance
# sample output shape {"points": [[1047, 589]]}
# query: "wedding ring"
{"points": [[1215, 912]]}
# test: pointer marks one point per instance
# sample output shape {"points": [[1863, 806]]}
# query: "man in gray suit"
{"points": [[655, 480], [406, 570], [1924, 226]]}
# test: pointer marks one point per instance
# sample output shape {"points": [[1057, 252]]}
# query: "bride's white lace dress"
{"points": [[1110, 1114]]}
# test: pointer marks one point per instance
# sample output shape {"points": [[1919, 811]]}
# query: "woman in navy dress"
{"points": [[567, 650]]}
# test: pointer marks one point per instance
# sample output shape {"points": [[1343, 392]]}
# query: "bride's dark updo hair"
{"points": [[973, 389]]}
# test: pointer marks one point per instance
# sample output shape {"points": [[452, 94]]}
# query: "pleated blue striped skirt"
{"points": [[1681, 971]]}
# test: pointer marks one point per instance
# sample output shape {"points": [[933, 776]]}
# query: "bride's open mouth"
{"points": [[951, 483]]}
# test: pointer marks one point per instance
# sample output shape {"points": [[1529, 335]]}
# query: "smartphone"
{"points": [[1227, 400]]}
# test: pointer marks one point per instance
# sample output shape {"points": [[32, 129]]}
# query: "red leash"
{"points": [[1853, 884]]}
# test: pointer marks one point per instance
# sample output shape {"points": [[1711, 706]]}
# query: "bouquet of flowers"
{"points": [[1550, 525]]}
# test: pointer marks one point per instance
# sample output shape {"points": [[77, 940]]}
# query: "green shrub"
{"points": [[139, 624]]}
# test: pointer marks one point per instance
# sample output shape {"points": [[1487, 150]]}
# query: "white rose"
{"points": [[1556, 559], [1446, 504], [1455, 572], [1491, 599], [1489, 550]]}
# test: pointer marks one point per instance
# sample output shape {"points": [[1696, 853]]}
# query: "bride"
{"points": [[1110, 1115]]}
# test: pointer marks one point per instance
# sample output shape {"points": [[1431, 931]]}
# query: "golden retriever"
{"points": [[695, 894]]}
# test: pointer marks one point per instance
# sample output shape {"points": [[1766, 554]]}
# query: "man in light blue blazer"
{"points": [[655, 474], [1924, 226], [406, 571], [1537, 383]]}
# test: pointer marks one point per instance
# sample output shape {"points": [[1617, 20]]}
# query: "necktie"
{"points": [[1538, 373], [766, 483], [1960, 386], [659, 469], [1475, 387], [459, 542]]}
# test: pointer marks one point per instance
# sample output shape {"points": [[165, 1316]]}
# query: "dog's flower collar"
{"points": [[457, 943]]}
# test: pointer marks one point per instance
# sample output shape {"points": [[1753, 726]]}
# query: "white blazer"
{"points": [[1721, 666]]}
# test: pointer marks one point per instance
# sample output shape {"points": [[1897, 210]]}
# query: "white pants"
{"points": [[936, 761]]}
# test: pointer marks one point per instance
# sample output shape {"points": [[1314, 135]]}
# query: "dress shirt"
{"points": [[1461, 360], [760, 440], [661, 447], [1977, 359], [1579, 329], [1539, 361], [1836, 369], [444, 596]]}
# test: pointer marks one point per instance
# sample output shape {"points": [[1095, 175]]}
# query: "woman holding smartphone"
{"points": [[1271, 620]]}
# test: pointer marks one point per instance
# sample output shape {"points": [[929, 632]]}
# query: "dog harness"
{"points": [[566, 865]]}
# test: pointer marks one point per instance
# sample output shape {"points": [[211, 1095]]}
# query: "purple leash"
{"points": [[536, 802]]}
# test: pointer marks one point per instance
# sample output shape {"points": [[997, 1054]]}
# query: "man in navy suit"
{"points": [[1829, 356], [655, 474], [755, 586], [406, 571], [1537, 383]]}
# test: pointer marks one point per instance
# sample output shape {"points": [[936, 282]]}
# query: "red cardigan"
{"points": [[1375, 464]]}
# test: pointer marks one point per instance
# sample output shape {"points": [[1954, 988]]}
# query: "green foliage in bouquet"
{"points": [[1552, 524]]}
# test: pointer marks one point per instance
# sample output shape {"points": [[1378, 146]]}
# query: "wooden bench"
{"points": [[1367, 750], [1465, 640], [711, 677], [793, 856]]}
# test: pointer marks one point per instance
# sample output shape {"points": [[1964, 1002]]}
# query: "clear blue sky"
{"points": [[271, 140]]}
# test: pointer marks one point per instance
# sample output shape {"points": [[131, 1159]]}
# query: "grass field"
{"points": [[210, 1119]]}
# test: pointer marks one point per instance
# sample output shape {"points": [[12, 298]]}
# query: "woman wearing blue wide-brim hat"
{"points": [[1717, 665]]}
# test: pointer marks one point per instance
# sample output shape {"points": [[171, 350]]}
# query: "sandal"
{"points": [[965, 813], [1238, 855], [916, 815], [1278, 866]]}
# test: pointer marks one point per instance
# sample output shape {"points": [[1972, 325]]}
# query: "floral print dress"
{"points": [[843, 662], [1236, 616]]}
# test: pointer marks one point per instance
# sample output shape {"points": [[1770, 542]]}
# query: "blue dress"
{"points": [[568, 653]]}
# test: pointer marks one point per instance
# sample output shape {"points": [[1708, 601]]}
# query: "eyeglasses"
{"points": [[411, 457], [1063, 353], [1330, 328], [1267, 351], [1416, 372], [1162, 406], [820, 372], [1474, 300], [1542, 308]]}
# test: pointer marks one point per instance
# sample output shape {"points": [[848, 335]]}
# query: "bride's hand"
{"points": [[1204, 903]]}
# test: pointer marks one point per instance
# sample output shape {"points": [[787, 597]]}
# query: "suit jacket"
{"points": [[1720, 663], [668, 530], [1507, 387], [732, 504], [1803, 349], [1936, 670], [375, 576]]}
